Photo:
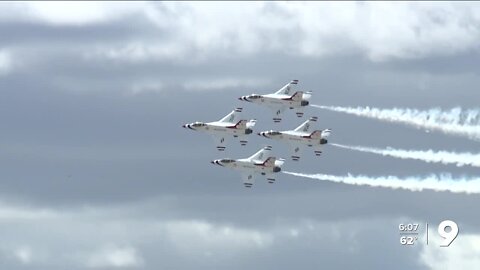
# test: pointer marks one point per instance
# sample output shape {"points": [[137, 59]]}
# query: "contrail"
{"points": [[443, 182], [455, 121], [430, 156]]}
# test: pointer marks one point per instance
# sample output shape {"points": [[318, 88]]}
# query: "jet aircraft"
{"points": [[300, 137], [281, 100], [223, 129], [259, 163]]}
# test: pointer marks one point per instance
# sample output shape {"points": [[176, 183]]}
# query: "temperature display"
{"points": [[408, 233]]}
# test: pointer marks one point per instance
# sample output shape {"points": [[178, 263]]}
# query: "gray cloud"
{"points": [[97, 172]]}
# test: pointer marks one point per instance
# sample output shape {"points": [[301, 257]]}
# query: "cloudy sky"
{"points": [[97, 173]]}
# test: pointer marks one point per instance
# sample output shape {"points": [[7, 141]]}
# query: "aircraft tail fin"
{"points": [[305, 126], [231, 117], [287, 88], [261, 153]]}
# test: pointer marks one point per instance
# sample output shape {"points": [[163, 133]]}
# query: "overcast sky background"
{"points": [[96, 171]]}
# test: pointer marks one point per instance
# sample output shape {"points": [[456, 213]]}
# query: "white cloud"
{"points": [[23, 254], [68, 234], [113, 256], [153, 86], [78, 13], [5, 62], [382, 31], [198, 31], [212, 84], [126, 236], [415, 30], [197, 235], [222, 83], [294, 233], [9, 213], [463, 253]]}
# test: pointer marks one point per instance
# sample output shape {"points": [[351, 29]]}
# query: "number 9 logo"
{"points": [[449, 236]]}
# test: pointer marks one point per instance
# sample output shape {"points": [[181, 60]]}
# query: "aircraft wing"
{"points": [[299, 112], [270, 178], [305, 126], [220, 141], [317, 150], [248, 179], [277, 110], [243, 140], [295, 150], [232, 117], [286, 90]]}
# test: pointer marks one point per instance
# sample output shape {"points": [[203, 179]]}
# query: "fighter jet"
{"points": [[259, 163], [225, 128], [300, 137], [281, 100]]}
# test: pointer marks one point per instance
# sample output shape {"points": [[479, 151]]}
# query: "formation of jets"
{"points": [[262, 162]]}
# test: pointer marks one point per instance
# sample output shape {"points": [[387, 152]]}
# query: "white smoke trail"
{"points": [[443, 182], [430, 156], [456, 121]]}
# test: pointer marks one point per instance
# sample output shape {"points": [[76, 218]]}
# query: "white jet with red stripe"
{"points": [[222, 130], [300, 137], [281, 100], [259, 163]]}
